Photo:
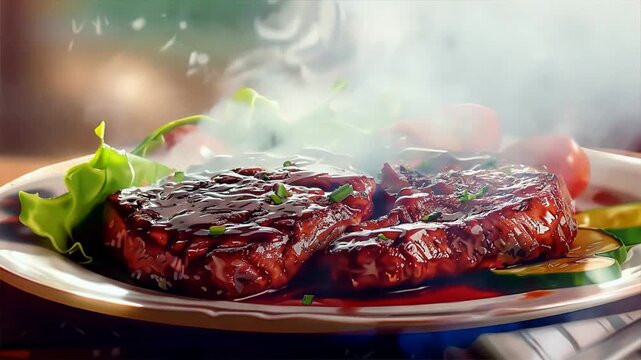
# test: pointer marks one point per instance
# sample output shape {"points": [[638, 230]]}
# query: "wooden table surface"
{"points": [[12, 167]]}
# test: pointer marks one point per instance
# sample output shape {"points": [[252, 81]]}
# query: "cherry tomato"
{"points": [[177, 134], [558, 153], [189, 142], [459, 127]]}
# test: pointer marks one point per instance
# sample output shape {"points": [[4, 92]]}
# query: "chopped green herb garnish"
{"points": [[281, 191], [308, 299], [179, 176], [276, 199], [467, 196], [341, 193], [264, 177], [432, 216], [288, 163], [382, 237], [216, 230]]}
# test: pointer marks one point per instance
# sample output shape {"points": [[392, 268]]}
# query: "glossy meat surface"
{"points": [[453, 222], [162, 233]]}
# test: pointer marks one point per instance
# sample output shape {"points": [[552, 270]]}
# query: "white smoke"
{"points": [[572, 67]]}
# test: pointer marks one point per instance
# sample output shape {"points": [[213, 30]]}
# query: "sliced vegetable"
{"points": [[341, 193], [622, 221], [88, 186], [629, 236], [558, 273], [619, 216], [157, 137], [217, 230], [590, 242]]}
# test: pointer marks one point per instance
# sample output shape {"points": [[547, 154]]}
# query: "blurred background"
{"points": [[572, 67]]}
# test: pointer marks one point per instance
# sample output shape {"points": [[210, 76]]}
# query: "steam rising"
{"points": [[570, 67]]}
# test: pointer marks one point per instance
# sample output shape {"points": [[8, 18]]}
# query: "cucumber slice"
{"points": [[629, 236], [619, 216], [590, 242], [558, 273]]}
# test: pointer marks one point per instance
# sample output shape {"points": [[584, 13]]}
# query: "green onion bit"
{"points": [[281, 191], [276, 199], [216, 230], [341, 193], [432, 216], [467, 196], [308, 299]]}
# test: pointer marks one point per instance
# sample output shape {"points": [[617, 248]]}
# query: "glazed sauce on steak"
{"points": [[162, 233], [453, 222], [411, 229]]}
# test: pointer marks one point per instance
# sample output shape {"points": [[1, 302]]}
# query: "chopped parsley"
{"points": [[432, 216], [288, 163], [217, 230], [308, 299], [468, 196], [264, 177], [341, 193]]}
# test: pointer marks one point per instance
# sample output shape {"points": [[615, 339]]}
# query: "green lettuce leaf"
{"points": [[88, 185], [157, 137]]}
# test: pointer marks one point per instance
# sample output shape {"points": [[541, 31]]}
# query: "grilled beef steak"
{"points": [[256, 243], [453, 222]]}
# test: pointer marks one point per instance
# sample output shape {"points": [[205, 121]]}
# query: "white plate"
{"points": [[44, 273]]}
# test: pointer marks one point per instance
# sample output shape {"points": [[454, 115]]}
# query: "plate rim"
{"points": [[217, 314]]}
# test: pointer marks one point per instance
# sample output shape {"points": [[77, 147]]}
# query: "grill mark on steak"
{"points": [[162, 233], [525, 215]]}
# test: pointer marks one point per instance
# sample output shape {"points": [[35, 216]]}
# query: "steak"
{"points": [[453, 222], [162, 233]]}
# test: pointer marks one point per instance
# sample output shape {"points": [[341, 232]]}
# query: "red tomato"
{"points": [[459, 127], [558, 153], [190, 140], [177, 134]]}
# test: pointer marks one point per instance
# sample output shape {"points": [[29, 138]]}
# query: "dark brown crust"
{"points": [[161, 233], [525, 215]]}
